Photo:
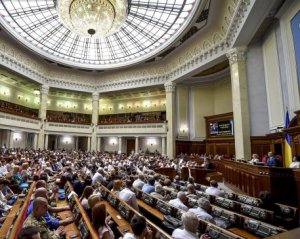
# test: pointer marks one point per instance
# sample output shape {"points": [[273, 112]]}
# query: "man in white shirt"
{"points": [[190, 223], [180, 201], [202, 210], [128, 196], [98, 177], [139, 182], [213, 189]]}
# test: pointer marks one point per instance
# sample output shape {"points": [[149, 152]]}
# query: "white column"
{"points": [[120, 145], [76, 142], [170, 111], [46, 141], [56, 142], [136, 144], [35, 139], [44, 90], [163, 145], [237, 60], [89, 144], [11, 139], [95, 115], [99, 144]]}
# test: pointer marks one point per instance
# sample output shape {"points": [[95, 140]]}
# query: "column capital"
{"points": [[237, 54], [95, 96], [44, 89], [170, 87]]}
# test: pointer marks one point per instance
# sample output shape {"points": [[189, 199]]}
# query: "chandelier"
{"points": [[92, 18]]}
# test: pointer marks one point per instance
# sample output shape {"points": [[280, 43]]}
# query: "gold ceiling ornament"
{"points": [[92, 18]]}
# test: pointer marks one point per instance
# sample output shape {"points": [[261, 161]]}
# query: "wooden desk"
{"points": [[242, 233], [292, 234], [122, 223], [151, 210], [11, 217], [71, 229]]}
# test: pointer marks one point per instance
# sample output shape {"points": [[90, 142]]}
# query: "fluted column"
{"points": [[89, 144], [163, 145], [44, 90], [11, 139], [95, 115], [46, 141], [35, 139], [120, 145], [99, 144], [136, 145], [170, 111], [237, 60]]}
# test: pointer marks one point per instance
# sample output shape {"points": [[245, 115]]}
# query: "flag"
{"points": [[287, 143]]}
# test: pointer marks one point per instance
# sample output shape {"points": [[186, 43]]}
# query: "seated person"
{"points": [[139, 228], [30, 232], [117, 184], [180, 201], [255, 159], [295, 163], [207, 164], [190, 226], [191, 192], [272, 161], [128, 196], [149, 187], [18, 179], [176, 180], [213, 189], [36, 218], [52, 223], [139, 182], [92, 201], [8, 198], [167, 185], [158, 192], [202, 210], [100, 222], [88, 191]]}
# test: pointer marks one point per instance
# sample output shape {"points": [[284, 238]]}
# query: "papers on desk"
{"points": [[71, 194]]}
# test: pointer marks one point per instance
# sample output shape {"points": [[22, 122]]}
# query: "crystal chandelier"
{"points": [[92, 18]]}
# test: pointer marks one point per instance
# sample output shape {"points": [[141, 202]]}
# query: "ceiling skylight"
{"points": [[150, 27]]}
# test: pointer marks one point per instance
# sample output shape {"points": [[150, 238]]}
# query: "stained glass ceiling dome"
{"points": [[149, 27]]}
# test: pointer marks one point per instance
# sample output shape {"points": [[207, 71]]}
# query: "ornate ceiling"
{"points": [[150, 27]]}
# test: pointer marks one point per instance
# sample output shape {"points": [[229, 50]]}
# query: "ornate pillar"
{"points": [[11, 140], [44, 90], [136, 145], [89, 144], [76, 142], [170, 111], [46, 141], [56, 142], [120, 145], [163, 145], [95, 115], [35, 139], [99, 144], [237, 60]]}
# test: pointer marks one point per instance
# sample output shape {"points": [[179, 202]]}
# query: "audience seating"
{"points": [[127, 212], [15, 109]]}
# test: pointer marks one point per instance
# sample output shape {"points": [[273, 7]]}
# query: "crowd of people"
{"points": [[87, 171]]}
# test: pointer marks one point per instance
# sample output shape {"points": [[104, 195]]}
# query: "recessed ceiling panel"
{"points": [[150, 27]]}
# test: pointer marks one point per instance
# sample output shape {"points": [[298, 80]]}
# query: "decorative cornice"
{"points": [[95, 96], [44, 89], [237, 54], [170, 87]]}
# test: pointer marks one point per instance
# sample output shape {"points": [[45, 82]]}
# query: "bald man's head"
{"points": [[40, 207], [40, 192]]}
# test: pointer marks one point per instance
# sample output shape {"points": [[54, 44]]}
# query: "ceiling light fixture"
{"points": [[92, 18]]}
